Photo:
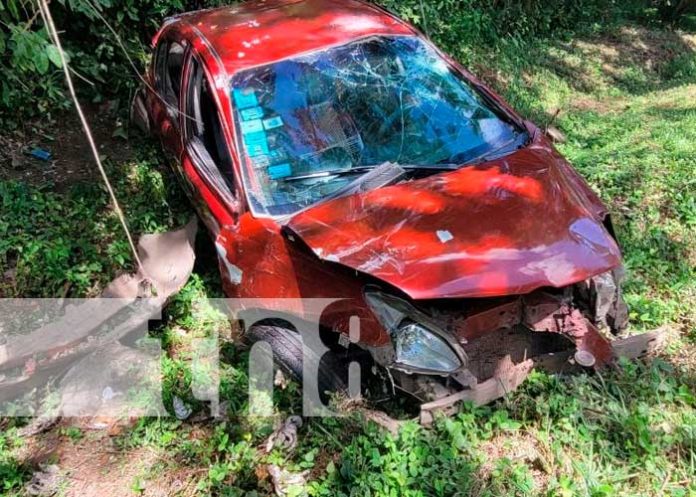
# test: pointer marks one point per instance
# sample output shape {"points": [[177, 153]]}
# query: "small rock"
{"points": [[44, 482]]}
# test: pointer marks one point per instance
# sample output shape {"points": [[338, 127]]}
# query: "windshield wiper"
{"points": [[365, 169], [445, 166], [324, 174], [496, 152]]}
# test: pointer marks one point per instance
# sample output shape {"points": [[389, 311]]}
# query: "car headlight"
{"points": [[419, 345]]}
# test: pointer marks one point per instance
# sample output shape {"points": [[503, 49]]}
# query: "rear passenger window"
{"points": [[169, 65]]}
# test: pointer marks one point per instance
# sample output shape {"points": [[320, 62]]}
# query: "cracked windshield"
{"points": [[309, 126]]}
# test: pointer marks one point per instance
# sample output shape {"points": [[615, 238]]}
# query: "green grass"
{"points": [[71, 243], [628, 110]]}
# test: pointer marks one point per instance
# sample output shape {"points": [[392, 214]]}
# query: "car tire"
{"points": [[288, 355]]}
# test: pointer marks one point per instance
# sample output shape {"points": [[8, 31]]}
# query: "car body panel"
{"points": [[504, 227], [254, 33]]}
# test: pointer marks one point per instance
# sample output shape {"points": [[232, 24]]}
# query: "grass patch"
{"points": [[71, 243]]}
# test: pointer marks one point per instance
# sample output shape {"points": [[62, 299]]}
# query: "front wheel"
{"points": [[286, 344]]}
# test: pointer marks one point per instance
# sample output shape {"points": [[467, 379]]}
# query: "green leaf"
{"points": [[41, 62], [54, 55], [12, 7]]}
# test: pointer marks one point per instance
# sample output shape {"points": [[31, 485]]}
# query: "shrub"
{"points": [[31, 79]]}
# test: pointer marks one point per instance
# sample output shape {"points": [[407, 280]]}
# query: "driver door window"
{"points": [[205, 140]]}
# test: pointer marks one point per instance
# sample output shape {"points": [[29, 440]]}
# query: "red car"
{"points": [[332, 151]]}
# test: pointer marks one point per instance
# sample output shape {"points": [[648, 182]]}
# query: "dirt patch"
{"points": [[637, 46], [70, 159], [494, 78], [95, 465], [603, 106], [524, 449], [633, 58], [685, 360]]}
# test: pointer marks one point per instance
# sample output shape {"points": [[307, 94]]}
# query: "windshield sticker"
{"points": [[245, 98], [256, 143], [272, 122], [252, 113], [251, 126], [279, 171]]}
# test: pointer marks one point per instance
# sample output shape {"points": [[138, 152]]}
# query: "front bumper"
{"points": [[509, 375]]}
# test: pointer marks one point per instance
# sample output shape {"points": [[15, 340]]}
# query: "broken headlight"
{"points": [[419, 344], [418, 347]]}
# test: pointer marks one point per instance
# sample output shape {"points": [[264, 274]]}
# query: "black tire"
{"points": [[288, 354]]}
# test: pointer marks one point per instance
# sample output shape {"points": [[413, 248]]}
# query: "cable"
{"points": [[48, 20]]}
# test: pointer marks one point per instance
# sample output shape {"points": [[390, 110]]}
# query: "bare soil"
{"points": [[95, 465], [71, 159]]}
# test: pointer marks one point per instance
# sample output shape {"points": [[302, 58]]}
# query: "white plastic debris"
{"points": [[285, 437], [287, 483], [280, 380], [181, 410], [108, 394], [444, 235], [233, 272]]}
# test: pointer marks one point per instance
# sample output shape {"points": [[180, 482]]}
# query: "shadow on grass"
{"points": [[633, 59]]}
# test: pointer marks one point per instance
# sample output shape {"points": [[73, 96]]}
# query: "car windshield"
{"points": [[309, 125]]}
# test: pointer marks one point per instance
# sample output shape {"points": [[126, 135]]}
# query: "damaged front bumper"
{"points": [[496, 344], [510, 375]]}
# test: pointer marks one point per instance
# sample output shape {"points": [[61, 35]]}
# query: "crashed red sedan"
{"points": [[332, 151]]}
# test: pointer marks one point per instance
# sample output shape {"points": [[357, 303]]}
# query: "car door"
{"points": [[165, 102], [207, 163]]}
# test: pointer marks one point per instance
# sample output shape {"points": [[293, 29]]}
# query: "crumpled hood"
{"points": [[501, 228]]}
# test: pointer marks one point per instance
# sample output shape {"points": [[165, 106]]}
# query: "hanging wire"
{"points": [[48, 21]]}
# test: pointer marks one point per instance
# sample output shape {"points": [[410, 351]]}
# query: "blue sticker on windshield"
{"points": [[279, 171], [272, 122], [253, 113], [251, 126], [245, 98], [256, 143]]}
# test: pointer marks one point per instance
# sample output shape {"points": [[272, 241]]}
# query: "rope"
{"points": [[48, 20]]}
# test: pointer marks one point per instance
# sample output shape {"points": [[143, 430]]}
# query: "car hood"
{"points": [[500, 228]]}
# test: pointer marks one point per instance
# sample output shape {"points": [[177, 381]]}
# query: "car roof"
{"points": [[258, 32]]}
